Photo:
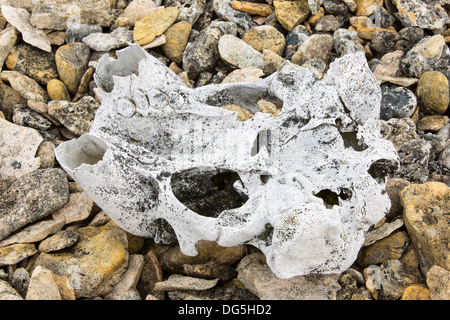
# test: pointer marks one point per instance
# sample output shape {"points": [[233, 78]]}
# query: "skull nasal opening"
{"points": [[208, 192]]}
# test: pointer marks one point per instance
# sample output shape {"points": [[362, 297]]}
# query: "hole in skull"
{"points": [[266, 235], [262, 140], [380, 169], [264, 178], [331, 198], [351, 141], [208, 192]]}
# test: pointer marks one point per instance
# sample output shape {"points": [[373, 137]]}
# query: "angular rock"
{"points": [[265, 37], [42, 286], [432, 123], [433, 92], [314, 5], [78, 116], [345, 41], [15, 253], [151, 274], [117, 39], [260, 9], [20, 18], [383, 41], [27, 117], [328, 23], [94, 264], [154, 24], [393, 188], [397, 102], [425, 206], [291, 13], [177, 37], [72, 62], [179, 282], [318, 46], [210, 270], [18, 148], [257, 277], [395, 277], [238, 53], [129, 279], [390, 65], [8, 39], [60, 240], [75, 32], [243, 20], [190, 10], [136, 10], [438, 280], [416, 292], [335, 7], [196, 58], [7, 292], [34, 233], [383, 231], [27, 87], [56, 14], [76, 209], [20, 280], [429, 54], [32, 197], [422, 13]]}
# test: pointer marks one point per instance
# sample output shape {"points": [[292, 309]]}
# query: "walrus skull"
{"points": [[298, 186]]}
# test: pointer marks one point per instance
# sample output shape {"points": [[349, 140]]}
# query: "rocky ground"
{"points": [[56, 243]]}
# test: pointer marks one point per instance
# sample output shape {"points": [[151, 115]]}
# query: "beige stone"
{"points": [[154, 24], [291, 13]]}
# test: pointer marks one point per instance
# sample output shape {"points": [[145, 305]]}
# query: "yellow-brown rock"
{"points": [[57, 90], [177, 37], [291, 13], [367, 7], [260, 9], [94, 264], [265, 37], [425, 212], [416, 292], [313, 19], [433, 93], [367, 33], [433, 122], [154, 24]]}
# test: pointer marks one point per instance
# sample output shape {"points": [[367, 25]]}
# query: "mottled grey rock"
{"points": [[32, 197], [328, 23], [314, 5], [238, 53], [117, 39], [396, 277], [27, 117], [346, 41], [20, 280], [242, 20], [75, 32], [425, 14], [60, 240], [7, 292], [190, 10], [335, 7], [397, 102]]}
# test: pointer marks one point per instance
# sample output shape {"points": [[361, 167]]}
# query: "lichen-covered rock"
{"points": [[424, 213], [397, 102], [422, 13], [158, 140], [265, 37], [291, 13], [15, 253], [433, 92], [154, 24], [94, 264], [177, 37]]}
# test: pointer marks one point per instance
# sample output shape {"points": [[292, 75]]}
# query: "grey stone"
{"points": [[190, 10], [328, 23], [7, 292], [20, 281], [422, 13], [34, 233], [241, 19], [335, 7], [179, 282], [75, 32], [238, 53], [117, 39], [396, 277], [346, 41], [24, 116], [397, 102]]}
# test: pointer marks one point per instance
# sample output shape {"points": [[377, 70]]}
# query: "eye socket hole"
{"points": [[331, 198], [265, 178]]}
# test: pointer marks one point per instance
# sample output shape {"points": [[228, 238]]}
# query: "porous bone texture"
{"points": [[304, 177]]}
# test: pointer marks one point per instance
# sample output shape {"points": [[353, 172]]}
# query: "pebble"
{"points": [[7, 292], [390, 65], [20, 280], [116, 39], [57, 90], [291, 13], [94, 263], [416, 292], [24, 116], [260, 9], [433, 92], [75, 32], [15, 253], [78, 116], [242, 20], [432, 123], [18, 148], [424, 205], [20, 19], [327, 23], [180, 282], [257, 277], [238, 53], [8, 39], [154, 24], [176, 39], [346, 41], [422, 13], [42, 286], [244, 75], [60, 240], [134, 11], [397, 102], [72, 62], [317, 46], [393, 188], [265, 38], [438, 280], [190, 10], [395, 277], [27, 87], [34, 233], [382, 231], [367, 7], [129, 279]]}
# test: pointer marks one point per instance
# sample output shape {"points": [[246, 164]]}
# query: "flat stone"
{"points": [[24, 116], [438, 280], [238, 53], [265, 38], [179, 282], [425, 206], [210, 270], [129, 278], [117, 39], [76, 209], [42, 286], [94, 264], [78, 116], [433, 92], [7, 292], [18, 148], [432, 123], [32, 62], [57, 14], [15, 253], [151, 274], [416, 292], [367, 7], [72, 62], [260, 9], [368, 33], [154, 24], [176, 39], [257, 277], [291, 13], [75, 32], [397, 102], [60, 240], [390, 65], [20, 18], [382, 232], [34, 233], [32, 197], [8, 39], [318, 46], [136, 10], [244, 75], [27, 87]]}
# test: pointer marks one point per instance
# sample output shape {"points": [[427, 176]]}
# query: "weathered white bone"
{"points": [[152, 136]]}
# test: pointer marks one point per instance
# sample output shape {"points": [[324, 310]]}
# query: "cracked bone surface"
{"points": [[164, 160]]}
